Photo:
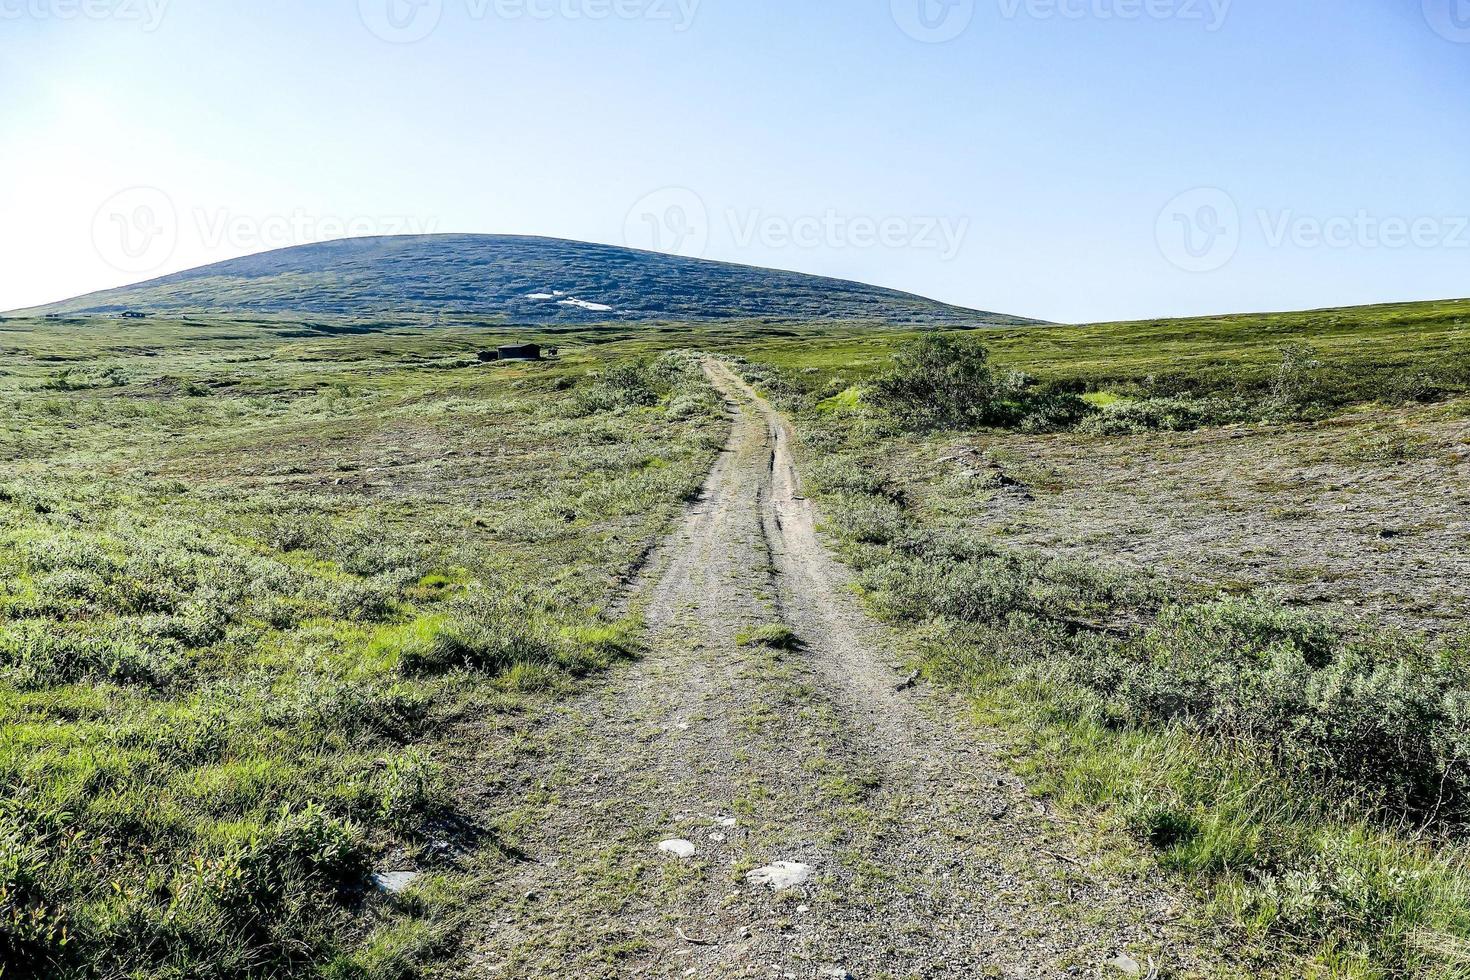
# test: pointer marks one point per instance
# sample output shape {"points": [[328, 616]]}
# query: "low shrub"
{"points": [[71, 379], [493, 636], [867, 519], [845, 474], [1389, 719], [631, 384], [263, 905], [31, 930], [330, 706], [36, 654], [941, 381], [1385, 721], [412, 791], [1296, 384], [1178, 414], [917, 587]]}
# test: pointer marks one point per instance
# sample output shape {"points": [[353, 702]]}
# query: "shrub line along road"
{"points": [[928, 859]]}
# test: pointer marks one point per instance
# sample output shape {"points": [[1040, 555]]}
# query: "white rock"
{"points": [[1124, 963], [729, 822], [717, 838], [394, 882], [781, 876], [681, 849]]}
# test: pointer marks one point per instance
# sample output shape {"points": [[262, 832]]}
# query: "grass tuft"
{"points": [[773, 636]]}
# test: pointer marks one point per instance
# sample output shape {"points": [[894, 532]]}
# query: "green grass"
{"points": [[774, 636], [1366, 352], [257, 572], [1252, 749], [249, 584]]}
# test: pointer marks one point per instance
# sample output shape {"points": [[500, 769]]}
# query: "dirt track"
{"points": [[928, 859]]}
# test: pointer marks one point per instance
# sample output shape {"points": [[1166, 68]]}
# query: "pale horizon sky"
{"points": [[1071, 160]]}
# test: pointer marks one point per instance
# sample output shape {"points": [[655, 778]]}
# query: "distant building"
{"points": [[519, 352], [131, 315]]}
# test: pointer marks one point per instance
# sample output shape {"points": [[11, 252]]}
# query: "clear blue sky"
{"points": [[1032, 163]]}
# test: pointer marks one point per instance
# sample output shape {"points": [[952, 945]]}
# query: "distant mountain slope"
{"points": [[522, 279]]}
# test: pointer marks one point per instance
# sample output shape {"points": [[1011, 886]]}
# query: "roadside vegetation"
{"points": [[249, 588], [1310, 776], [1372, 353], [950, 381], [259, 577]]}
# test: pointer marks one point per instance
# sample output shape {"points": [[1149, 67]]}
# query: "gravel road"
{"points": [[925, 857]]}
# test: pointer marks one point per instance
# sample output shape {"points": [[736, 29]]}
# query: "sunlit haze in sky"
{"points": [[1072, 160]]}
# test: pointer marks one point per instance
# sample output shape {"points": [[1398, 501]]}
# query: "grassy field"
{"points": [[1367, 352], [258, 575], [1302, 765], [251, 582]]}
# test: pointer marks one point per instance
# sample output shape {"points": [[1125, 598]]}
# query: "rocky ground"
{"points": [[724, 807]]}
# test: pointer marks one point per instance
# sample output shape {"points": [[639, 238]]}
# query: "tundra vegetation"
{"points": [[249, 588], [1307, 771], [258, 575]]}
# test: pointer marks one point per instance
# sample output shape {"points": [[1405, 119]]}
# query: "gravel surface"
{"points": [[910, 849]]}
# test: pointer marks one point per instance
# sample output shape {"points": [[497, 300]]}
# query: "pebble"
{"points": [[729, 822], [781, 876], [1126, 964], [681, 849], [394, 882], [717, 838]]}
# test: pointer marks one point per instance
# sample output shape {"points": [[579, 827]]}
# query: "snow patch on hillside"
{"points": [[585, 305]]}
